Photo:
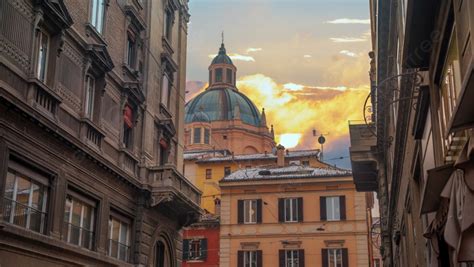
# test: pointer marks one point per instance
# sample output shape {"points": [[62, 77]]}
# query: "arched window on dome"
{"points": [[229, 77], [218, 75], [207, 136], [197, 135]]}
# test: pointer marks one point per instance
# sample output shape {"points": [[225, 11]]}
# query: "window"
{"points": [[291, 258], [335, 257], [305, 163], [249, 211], [79, 222], [217, 206], [162, 255], [333, 208], [219, 75], [25, 199], [197, 136], [250, 258], [208, 173], [42, 58], [229, 76], [166, 86], [227, 171], [224, 137], [377, 263], [128, 127], [90, 96], [290, 209], [207, 135], [98, 14], [168, 24], [195, 249], [164, 151], [131, 52], [119, 239]]}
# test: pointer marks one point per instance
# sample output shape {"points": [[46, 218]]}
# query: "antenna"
{"points": [[222, 36]]}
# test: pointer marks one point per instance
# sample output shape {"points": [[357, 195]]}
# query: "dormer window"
{"points": [[219, 75], [90, 96], [42, 55], [98, 15]]}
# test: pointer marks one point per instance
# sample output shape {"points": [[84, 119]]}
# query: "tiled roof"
{"points": [[288, 172], [262, 156]]}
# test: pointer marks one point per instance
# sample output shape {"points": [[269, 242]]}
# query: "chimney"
{"points": [[280, 155]]}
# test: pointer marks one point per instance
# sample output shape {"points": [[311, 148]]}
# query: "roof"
{"points": [[198, 154], [220, 104], [288, 172], [261, 156], [222, 57]]}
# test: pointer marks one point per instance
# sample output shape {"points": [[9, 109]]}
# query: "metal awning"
{"points": [[434, 184]]}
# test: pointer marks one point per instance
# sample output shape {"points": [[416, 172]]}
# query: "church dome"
{"points": [[200, 116], [222, 57], [221, 104]]}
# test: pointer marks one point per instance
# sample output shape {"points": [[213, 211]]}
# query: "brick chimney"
{"points": [[280, 155]]}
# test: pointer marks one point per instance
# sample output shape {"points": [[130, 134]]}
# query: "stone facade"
{"points": [[92, 133]]}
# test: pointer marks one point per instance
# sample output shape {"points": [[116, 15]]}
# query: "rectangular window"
{"points": [[119, 239], [208, 173], [291, 209], [97, 14], [334, 208], [292, 258], [229, 76], [131, 54], [79, 222], [168, 24], [25, 200], [90, 95], [197, 136], [166, 89], [207, 135], [219, 75], [42, 58], [227, 171], [250, 211], [250, 259], [335, 257], [194, 249]]}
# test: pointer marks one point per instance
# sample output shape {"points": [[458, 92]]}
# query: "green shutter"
{"points": [[203, 249]]}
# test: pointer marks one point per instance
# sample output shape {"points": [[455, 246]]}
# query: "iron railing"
{"points": [[118, 250], [23, 215], [78, 236]]}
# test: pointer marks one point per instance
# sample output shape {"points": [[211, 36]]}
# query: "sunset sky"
{"points": [[304, 61]]}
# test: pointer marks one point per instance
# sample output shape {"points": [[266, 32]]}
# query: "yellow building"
{"points": [[293, 215], [206, 168]]}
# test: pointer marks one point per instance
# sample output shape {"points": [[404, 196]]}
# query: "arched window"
{"points": [[162, 254], [197, 136]]}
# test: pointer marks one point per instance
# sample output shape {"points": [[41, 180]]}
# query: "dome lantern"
{"points": [[222, 71]]}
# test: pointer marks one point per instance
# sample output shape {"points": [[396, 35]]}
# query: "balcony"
{"points": [[170, 189], [362, 153]]}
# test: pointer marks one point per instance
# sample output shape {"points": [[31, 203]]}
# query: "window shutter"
{"points": [[322, 208], [342, 207], [324, 257], [345, 257], [259, 258], [203, 249], [281, 256], [300, 209], [185, 249], [301, 257], [281, 209], [240, 258], [259, 211], [240, 211]]}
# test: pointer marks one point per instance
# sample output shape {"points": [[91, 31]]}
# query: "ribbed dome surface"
{"points": [[220, 104], [222, 57]]}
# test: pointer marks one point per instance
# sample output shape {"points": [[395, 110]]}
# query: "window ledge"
{"points": [[167, 45], [194, 261], [164, 110], [132, 72], [92, 32]]}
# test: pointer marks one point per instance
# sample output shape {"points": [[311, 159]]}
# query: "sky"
{"points": [[304, 61]]}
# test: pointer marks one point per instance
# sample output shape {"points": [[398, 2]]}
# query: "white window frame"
{"points": [[332, 253], [92, 222], [293, 210], [193, 253], [42, 65], [125, 242], [250, 258], [249, 206], [334, 213], [97, 17], [90, 96], [292, 258]]}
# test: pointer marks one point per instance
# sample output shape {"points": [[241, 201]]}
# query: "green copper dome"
{"points": [[221, 104], [222, 57]]}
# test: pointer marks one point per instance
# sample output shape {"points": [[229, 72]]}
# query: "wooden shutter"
{"points": [[345, 257], [203, 249], [240, 211], [301, 257], [185, 249], [281, 209], [322, 208], [342, 207], [240, 258], [281, 257], [324, 257], [259, 258], [259, 211], [300, 209]]}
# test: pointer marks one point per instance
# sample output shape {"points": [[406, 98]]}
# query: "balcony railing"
{"points": [[23, 215], [78, 236], [118, 250]]}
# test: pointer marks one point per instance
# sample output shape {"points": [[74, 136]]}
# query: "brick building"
{"points": [[91, 133]]}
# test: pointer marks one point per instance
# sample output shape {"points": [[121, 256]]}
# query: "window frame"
{"points": [[96, 21], [90, 96], [293, 210], [219, 75], [198, 136], [166, 90], [92, 205], [122, 223], [294, 255], [131, 49], [168, 23], [227, 170], [335, 207], [207, 136], [250, 258], [335, 252], [208, 174], [248, 205], [42, 66]]}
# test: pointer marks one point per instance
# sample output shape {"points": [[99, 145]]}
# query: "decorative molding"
{"points": [[161, 197]]}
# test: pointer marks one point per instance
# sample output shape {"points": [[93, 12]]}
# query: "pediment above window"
{"points": [[134, 91], [167, 126], [170, 65], [136, 21], [56, 11], [100, 57]]}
